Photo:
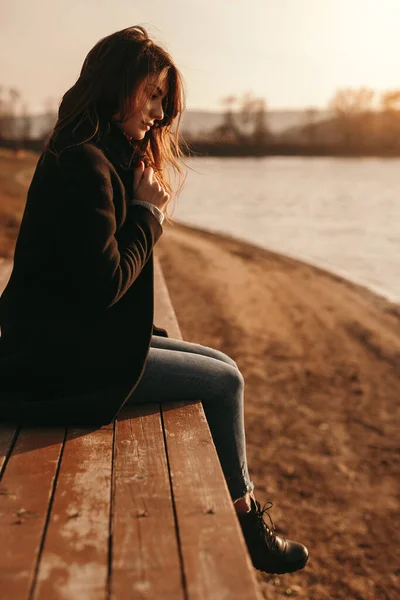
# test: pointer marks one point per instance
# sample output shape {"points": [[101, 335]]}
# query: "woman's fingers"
{"points": [[148, 188], [148, 174]]}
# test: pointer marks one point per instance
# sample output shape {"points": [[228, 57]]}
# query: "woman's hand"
{"points": [[147, 188]]}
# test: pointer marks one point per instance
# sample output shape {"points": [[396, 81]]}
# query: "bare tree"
{"points": [[15, 96], [260, 131], [352, 108], [352, 101], [228, 102], [246, 112], [310, 125], [390, 118], [26, 123], [2, 114], [7, 112], [253, 111], [228, 130], [390, 101]]}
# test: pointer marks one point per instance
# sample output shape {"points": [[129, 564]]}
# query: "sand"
{"points": [[321, 361]]}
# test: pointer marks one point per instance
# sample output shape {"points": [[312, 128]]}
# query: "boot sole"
{"points": [[282, 570]]}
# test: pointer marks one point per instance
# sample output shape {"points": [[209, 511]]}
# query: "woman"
{"points": [[78, 339]]}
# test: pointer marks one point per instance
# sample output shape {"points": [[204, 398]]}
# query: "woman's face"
{"points": [[151, 110]]}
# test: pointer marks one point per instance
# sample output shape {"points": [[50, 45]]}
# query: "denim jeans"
{"points": [[180, 370]]}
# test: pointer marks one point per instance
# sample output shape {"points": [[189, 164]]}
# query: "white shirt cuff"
{"points": [[159, 215]]}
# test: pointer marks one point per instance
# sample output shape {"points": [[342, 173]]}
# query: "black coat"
{"points": [[76, 316]]}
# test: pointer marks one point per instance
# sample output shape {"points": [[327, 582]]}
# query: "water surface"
{"points": [[340, 214]]}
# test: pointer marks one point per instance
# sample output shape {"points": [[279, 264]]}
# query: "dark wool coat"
{"points": [[76, 316]]}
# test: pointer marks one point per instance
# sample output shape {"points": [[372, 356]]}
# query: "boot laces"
{"points": [[266, 531]]}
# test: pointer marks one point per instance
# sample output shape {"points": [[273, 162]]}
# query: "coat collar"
{"points": [[118, 148], [110, 139]]}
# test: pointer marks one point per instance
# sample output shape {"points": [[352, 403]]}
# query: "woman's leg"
{"points": [[181, 374], [183, 346], [186, 375]]}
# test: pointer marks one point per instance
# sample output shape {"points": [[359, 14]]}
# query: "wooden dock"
{"points": [[136, 509]]}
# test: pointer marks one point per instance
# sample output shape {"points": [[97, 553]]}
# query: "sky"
{"points": [[292, 53]]}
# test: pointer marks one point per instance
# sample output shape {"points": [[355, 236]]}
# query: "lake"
{"points": [[339, 214]]}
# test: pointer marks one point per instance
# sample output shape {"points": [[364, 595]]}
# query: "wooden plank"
{"points": [[216, 561], [8, 434], [215, 557], [74, 561], [26, 492], [164, 314], [146, 561]]}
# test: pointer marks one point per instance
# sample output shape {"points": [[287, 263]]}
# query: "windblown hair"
{"points": [[114, 72]]}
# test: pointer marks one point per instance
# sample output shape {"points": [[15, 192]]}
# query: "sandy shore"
{"points": [[321, 361]]}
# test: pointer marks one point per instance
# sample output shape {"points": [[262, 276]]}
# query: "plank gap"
{"points": [[11, 444], [111, 519], [46, 524], [183, 574]]}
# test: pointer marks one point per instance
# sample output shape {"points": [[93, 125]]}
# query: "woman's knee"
{"points": [[232, 380], [228, 359], [219, 355], [193, 348]]}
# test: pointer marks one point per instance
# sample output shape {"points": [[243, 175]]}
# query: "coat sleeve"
{"points": [[159, 331], [101, 267]]}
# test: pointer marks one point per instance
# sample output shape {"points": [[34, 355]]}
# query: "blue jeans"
{"points": [[179, 370]]}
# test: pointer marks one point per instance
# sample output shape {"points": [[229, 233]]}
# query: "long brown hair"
{"points": [[112, 74]]}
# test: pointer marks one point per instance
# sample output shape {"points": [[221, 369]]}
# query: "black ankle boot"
{"points": [[269, 552]]}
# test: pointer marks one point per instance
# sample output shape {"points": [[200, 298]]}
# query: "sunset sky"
{"points": [[294, 53]]}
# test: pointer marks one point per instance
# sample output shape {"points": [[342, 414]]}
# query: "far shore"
{"points": [[204, 147]]}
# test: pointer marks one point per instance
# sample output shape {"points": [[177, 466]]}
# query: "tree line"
{"points": [[16, 121], [356, 120]]}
